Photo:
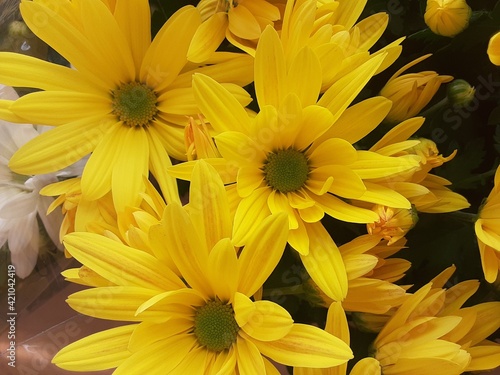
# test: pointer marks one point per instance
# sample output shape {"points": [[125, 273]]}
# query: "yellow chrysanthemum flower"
{"points": [[447, 17], [336, 324], [488, 232], [432, 333], [493, 50], [427, 192], [198, 318], [233, 19], [411, 92], [124, 102]]}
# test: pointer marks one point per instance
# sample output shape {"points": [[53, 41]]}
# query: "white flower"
{"points": [[21, 205]]}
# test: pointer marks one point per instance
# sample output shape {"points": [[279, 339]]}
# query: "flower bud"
{"points": [[411, 92], [460, 93], [447, 17], [393, 223], [494, 49]]}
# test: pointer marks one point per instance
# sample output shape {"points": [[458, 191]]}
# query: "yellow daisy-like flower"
{"points": [[493, 50], [411, 92], [427, 192], [125, 101], [432, 333], [336, 324], [200, 317], [488, 232], [447, 17], [233, 19]]}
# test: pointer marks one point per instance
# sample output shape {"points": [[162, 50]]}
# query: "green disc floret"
{"points": [[286, 170], [215, 326], [134, 103]]}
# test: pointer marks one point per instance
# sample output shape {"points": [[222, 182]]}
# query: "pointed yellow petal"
{"points": [[262, 253], [266, 321], [100, 351], [324, 263], [135, 24], [186, 248], [366, 366], [270, 69], [119, 263], [167, 54], [112, 303], [248, 357], [219, 106], [208, 204], [304, 77], [208, 37], [222, 269], [130, 169], [306, 346], [360, 119]]}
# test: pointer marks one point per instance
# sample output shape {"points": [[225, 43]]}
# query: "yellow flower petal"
{"points": [[262, 253], [100, 351], [341, 210], [44, 153], [248, 357], [360, 119], [166, 55], [222, 269], [112, 303], [243, 23], [267, 321], [208, 37], [306, 346], [109, 259], [208, 204], [304, 77], [324, 263], [250, 213], [270, 69], [186, 248], [26, 71], [130, 168], [219, 106]]}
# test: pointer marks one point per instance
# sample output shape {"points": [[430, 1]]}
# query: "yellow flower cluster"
{"points": [[189, 278]]}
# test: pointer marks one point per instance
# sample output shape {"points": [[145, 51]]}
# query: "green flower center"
{"points": [[286, 170], [215, 326], [134, 103]]}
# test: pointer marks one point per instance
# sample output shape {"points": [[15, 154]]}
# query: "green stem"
{"points": [[441, 104], [283, 291], [464, 216], [478, 177]]}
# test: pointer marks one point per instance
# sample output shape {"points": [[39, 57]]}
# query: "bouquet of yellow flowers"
{"points": [[255, 186]]}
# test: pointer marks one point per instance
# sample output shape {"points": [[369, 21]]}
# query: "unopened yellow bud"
{"points": [[494, 49], [411, 92], [199, 144], [447, 17]]}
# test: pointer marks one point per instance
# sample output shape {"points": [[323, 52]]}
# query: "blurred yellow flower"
{"points": [[494, 49], [487, 228], [411, 92], [447, 17]]}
